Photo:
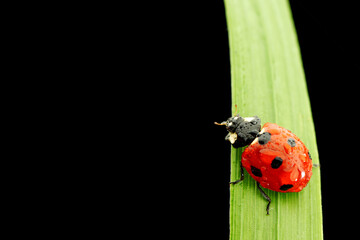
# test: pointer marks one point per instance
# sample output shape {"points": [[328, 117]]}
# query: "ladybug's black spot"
{"points": [[264, 138], [256, 171], [286, 187], [276, 163], [291, 142]]}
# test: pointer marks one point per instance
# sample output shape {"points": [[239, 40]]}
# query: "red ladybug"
{"points": [[276, 158]]}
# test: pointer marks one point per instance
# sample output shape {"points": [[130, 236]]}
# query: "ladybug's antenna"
{"points": [[224, 123], [220, 124]]}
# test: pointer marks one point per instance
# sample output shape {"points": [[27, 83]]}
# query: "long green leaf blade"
{"points": [[268, 80]]}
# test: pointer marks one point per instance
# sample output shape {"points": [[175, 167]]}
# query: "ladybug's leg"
{"points": [[242, 176], [265, 196]]}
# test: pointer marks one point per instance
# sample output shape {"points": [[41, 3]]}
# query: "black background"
{"points": [[163, 67], [188, 59]]}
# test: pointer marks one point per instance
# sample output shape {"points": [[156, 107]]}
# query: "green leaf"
{"points": [[267, 80]]}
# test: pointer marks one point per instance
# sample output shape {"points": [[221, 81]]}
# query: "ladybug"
{"points": [[275, 157]]}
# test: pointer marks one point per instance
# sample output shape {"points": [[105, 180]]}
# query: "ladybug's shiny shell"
{"points": [[278, 160]]}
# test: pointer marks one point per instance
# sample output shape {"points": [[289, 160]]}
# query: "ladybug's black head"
{"points": [[242, 131]]}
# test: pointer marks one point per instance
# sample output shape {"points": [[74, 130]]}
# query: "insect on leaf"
{"points": [[267, 80]]}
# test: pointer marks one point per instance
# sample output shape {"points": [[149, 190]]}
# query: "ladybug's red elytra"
{"points": [[275, 157]]}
